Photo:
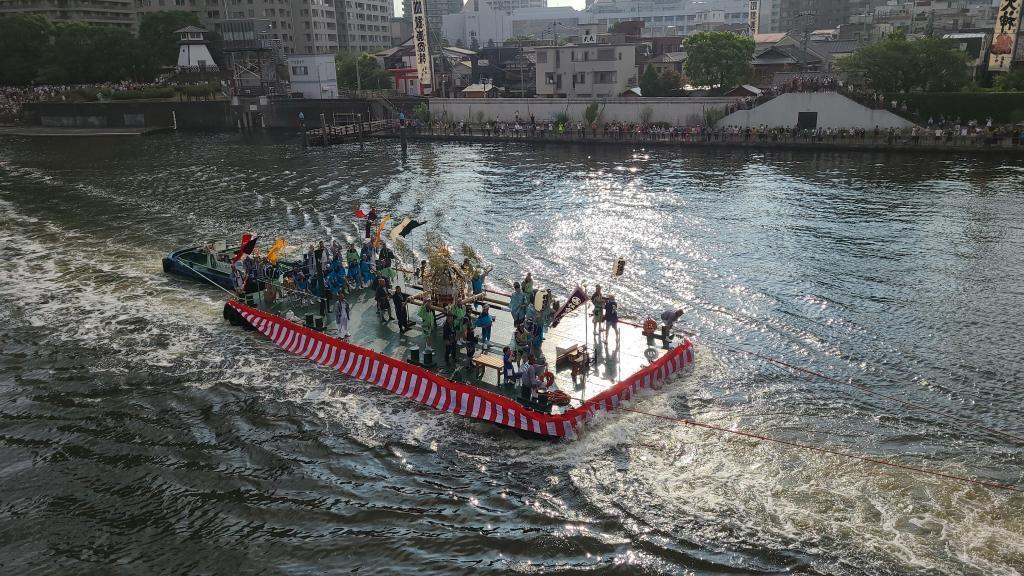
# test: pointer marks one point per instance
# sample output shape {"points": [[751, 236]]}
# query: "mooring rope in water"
{"points": [[207, 278], [819, 449]]}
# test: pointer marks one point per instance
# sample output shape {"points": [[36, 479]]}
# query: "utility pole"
{"points": [[806, 16]]}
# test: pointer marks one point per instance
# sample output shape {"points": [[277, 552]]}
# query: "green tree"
{"points": [[158, 40], [24, 43], [670, 83], [650, 83], [370, 76], [941, 65], [590, 114], [898, 64], [84, 54], [1012, 81], [718, 59]]}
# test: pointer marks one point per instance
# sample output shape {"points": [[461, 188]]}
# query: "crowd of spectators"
{"points": [[949, 133], [937, 131], [12, 98]]}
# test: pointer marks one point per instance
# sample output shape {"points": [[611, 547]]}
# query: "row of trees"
{"points": [[896, 64], [899, 64], [33, 50]]}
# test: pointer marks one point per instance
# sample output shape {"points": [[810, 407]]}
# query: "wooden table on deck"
{"points": [[485, 361]]}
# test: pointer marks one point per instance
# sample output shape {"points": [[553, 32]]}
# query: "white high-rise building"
{"points": [[674, 17], [510, 5], [364, 25], [115, 13], [302, 26]]}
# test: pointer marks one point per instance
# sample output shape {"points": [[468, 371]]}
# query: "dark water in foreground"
{"points": [[139, 434]]}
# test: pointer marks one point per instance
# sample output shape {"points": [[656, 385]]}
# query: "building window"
{"points": [[604, 77], [580, 78], [300, 71]]}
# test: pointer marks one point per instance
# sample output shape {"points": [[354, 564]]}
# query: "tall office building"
{"points": [[302, 26], [116, 13], [436, 10], [800, 15], [673, 17], [364, 25]]}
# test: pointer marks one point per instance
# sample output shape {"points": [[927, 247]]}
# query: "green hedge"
{"points": [[144, 94], [1003, 107], [201, 90], [82, 94]]}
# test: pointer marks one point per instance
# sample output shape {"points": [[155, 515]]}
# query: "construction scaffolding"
{"points": [[255, 59]]}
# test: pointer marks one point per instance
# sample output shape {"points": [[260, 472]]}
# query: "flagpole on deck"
{"points": [[586, 343]]}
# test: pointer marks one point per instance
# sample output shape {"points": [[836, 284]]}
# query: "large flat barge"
{"points": [[588, 371]]}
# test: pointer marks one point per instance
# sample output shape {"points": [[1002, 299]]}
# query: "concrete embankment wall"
{"points": [[190, 115], [214, 115], [833, 110], [676, 111]]}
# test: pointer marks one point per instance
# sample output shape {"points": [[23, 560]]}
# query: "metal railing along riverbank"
{"points": [[781, 139]]}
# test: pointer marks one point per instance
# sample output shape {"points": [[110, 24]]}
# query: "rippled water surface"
{"points": [[141, 434]]}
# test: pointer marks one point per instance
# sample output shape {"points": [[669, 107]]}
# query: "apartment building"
{"points": [[116, 13], [364, 25], [302, 26], [586, 70]]}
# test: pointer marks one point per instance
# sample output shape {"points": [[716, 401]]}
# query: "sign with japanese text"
{"points": [[420, 36], [1004, 38], [754, 17]]}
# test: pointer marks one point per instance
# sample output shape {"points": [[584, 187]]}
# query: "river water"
{"points": [[141, 434]]}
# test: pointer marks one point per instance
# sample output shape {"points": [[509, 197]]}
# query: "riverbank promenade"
{"points": [[867, 141]]}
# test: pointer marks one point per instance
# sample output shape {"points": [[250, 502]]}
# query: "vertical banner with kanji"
{"points": [[1004, 38], [420, 36]]}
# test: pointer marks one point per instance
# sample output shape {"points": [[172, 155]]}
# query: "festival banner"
{"points": [[576, 299], [421, 41], [1004, 38]]}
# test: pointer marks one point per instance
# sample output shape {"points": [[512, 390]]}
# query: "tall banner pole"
{"points": [[421, 40]]}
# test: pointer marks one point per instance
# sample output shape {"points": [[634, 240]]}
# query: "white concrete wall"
{"points": [[676, 111], [834, 111]]}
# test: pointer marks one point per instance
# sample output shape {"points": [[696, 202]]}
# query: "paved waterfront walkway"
{"points": [[867, 143]]}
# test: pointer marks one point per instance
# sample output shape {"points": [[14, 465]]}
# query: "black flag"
{"points": [[413, 224], [576, 299]]}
